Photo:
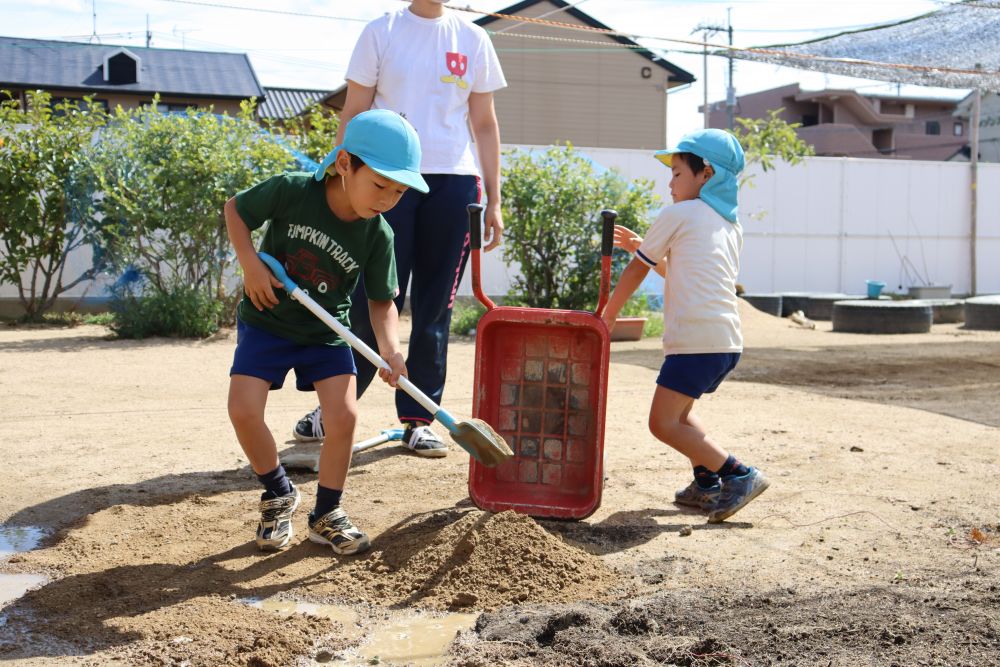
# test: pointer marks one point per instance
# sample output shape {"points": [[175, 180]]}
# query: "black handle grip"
{"points": [[475, 226], [608, 232]]}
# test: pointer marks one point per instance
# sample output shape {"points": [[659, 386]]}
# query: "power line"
{"points": [[219, 5]]}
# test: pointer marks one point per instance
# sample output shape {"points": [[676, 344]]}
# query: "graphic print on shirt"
{"points": [[458, 65], [302, 264]]}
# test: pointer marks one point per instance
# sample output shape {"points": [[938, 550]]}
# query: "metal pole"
{"points": [[974, 203], [704, 70], [731, 93]]}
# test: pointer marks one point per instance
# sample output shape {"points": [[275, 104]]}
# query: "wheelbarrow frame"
{"points": [[552, 357]]}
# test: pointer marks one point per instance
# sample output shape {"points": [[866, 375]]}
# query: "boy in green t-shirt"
{"points": [[327, 229]]}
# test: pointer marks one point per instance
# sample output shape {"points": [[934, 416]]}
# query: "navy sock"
{"points": [[276, 482], [327, 500], [704, 477], [732, 468]]}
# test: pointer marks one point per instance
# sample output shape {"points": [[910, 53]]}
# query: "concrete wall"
{"points": [[825, 224], [821, 226]]}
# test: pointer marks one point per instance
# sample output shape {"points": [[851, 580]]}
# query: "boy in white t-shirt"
{"points": [[439, 72], [695, 245]]}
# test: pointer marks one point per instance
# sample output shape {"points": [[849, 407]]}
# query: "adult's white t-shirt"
{"points": [[425, 70], [702, 252]]}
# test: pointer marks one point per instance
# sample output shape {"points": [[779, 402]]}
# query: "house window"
{"points": [[959, 129], [932, 127], [168, 108], [122, 67], [809, 119]]}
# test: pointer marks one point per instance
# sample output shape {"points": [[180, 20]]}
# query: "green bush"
{"points": [[164, 179], [464, 318], [46, 204], [551, 207], [182, 312]]}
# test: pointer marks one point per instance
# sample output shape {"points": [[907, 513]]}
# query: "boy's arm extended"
{"points": [[385, 324], [258, 282], [630, 279], [628, 240]]}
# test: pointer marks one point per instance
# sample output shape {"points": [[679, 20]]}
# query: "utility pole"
{"points": [[731, 91], [149, 35], [706, 32], [974, 177]]}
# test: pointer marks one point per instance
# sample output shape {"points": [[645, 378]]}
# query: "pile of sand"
{"points": [[478, 560], [758, 326]]}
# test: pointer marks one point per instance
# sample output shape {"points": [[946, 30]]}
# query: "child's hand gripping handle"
{"points": [[475, 243], [371, 355], [608, 217]]}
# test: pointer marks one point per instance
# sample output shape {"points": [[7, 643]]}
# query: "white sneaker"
{"points": [[422, 441]]}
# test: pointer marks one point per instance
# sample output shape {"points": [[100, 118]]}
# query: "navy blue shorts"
{"points": [[696, 374], [263, 355]]}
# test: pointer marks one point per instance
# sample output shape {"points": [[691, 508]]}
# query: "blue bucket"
{"points": [[874, 288]]}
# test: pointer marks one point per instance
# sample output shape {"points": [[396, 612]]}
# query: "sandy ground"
{"points": [[877, 543]]}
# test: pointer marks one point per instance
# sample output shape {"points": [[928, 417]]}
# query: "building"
{"points": [[847, 123], [283, 103], [608, 92], [127, 76], [989, 127]]}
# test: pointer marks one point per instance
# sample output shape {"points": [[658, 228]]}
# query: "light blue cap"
{"points": [[723, 151], [387, 143]]}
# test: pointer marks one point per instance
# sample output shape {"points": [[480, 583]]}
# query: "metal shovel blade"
{"points": [[482, 442]]}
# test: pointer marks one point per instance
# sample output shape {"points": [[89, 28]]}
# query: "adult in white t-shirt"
{"points": [[439, 72]]}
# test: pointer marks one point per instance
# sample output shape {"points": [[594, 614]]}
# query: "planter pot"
{"points": [[628, 328], [930, 292]]}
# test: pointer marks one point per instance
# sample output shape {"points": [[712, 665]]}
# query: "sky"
{"points": [[293, 50]]}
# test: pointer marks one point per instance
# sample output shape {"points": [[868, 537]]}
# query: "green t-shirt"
{"points": [[321, 252]]}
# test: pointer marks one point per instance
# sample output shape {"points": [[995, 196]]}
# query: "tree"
{"points": [[46, 202], [164, 179], [313, 132], [765, 140], [551, 205]]}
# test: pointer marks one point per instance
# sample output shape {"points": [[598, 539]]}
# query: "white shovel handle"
{"points": [[371, 355]]}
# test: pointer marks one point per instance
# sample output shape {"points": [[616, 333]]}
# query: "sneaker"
{"points": [[422, 441], [274, 529], [693, 495], [310, 427], [736, 493], [335, 530]]}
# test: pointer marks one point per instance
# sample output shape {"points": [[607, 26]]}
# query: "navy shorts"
{"points": [[263, 355], [696, 374]]}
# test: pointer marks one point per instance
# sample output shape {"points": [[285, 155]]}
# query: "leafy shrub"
{"points": [[551, 206], [164, 179], [464, 318], [181, 312], [46, 204]]}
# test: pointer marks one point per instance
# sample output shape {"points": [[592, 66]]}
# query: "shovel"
{"points": [[474, 436]]}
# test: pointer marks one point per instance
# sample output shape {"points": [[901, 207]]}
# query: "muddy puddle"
{"points": [[416, 639]]}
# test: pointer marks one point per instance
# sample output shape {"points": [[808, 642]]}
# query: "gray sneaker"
{"points": [[422, 441], [336, 530], [736, 493], [693, 495], [274, 529]]}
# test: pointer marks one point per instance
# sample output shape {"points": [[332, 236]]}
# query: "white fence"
{"points": [[830, 224], [825, 225]]}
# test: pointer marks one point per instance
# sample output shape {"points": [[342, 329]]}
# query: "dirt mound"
{"points": [[478, 560], [758, 325]]}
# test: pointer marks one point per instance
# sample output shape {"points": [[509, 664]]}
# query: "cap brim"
{"points": [[408, 178], [666, 157]]}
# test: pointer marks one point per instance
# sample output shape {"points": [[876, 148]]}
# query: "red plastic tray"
{"points": [[541, 382]]}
